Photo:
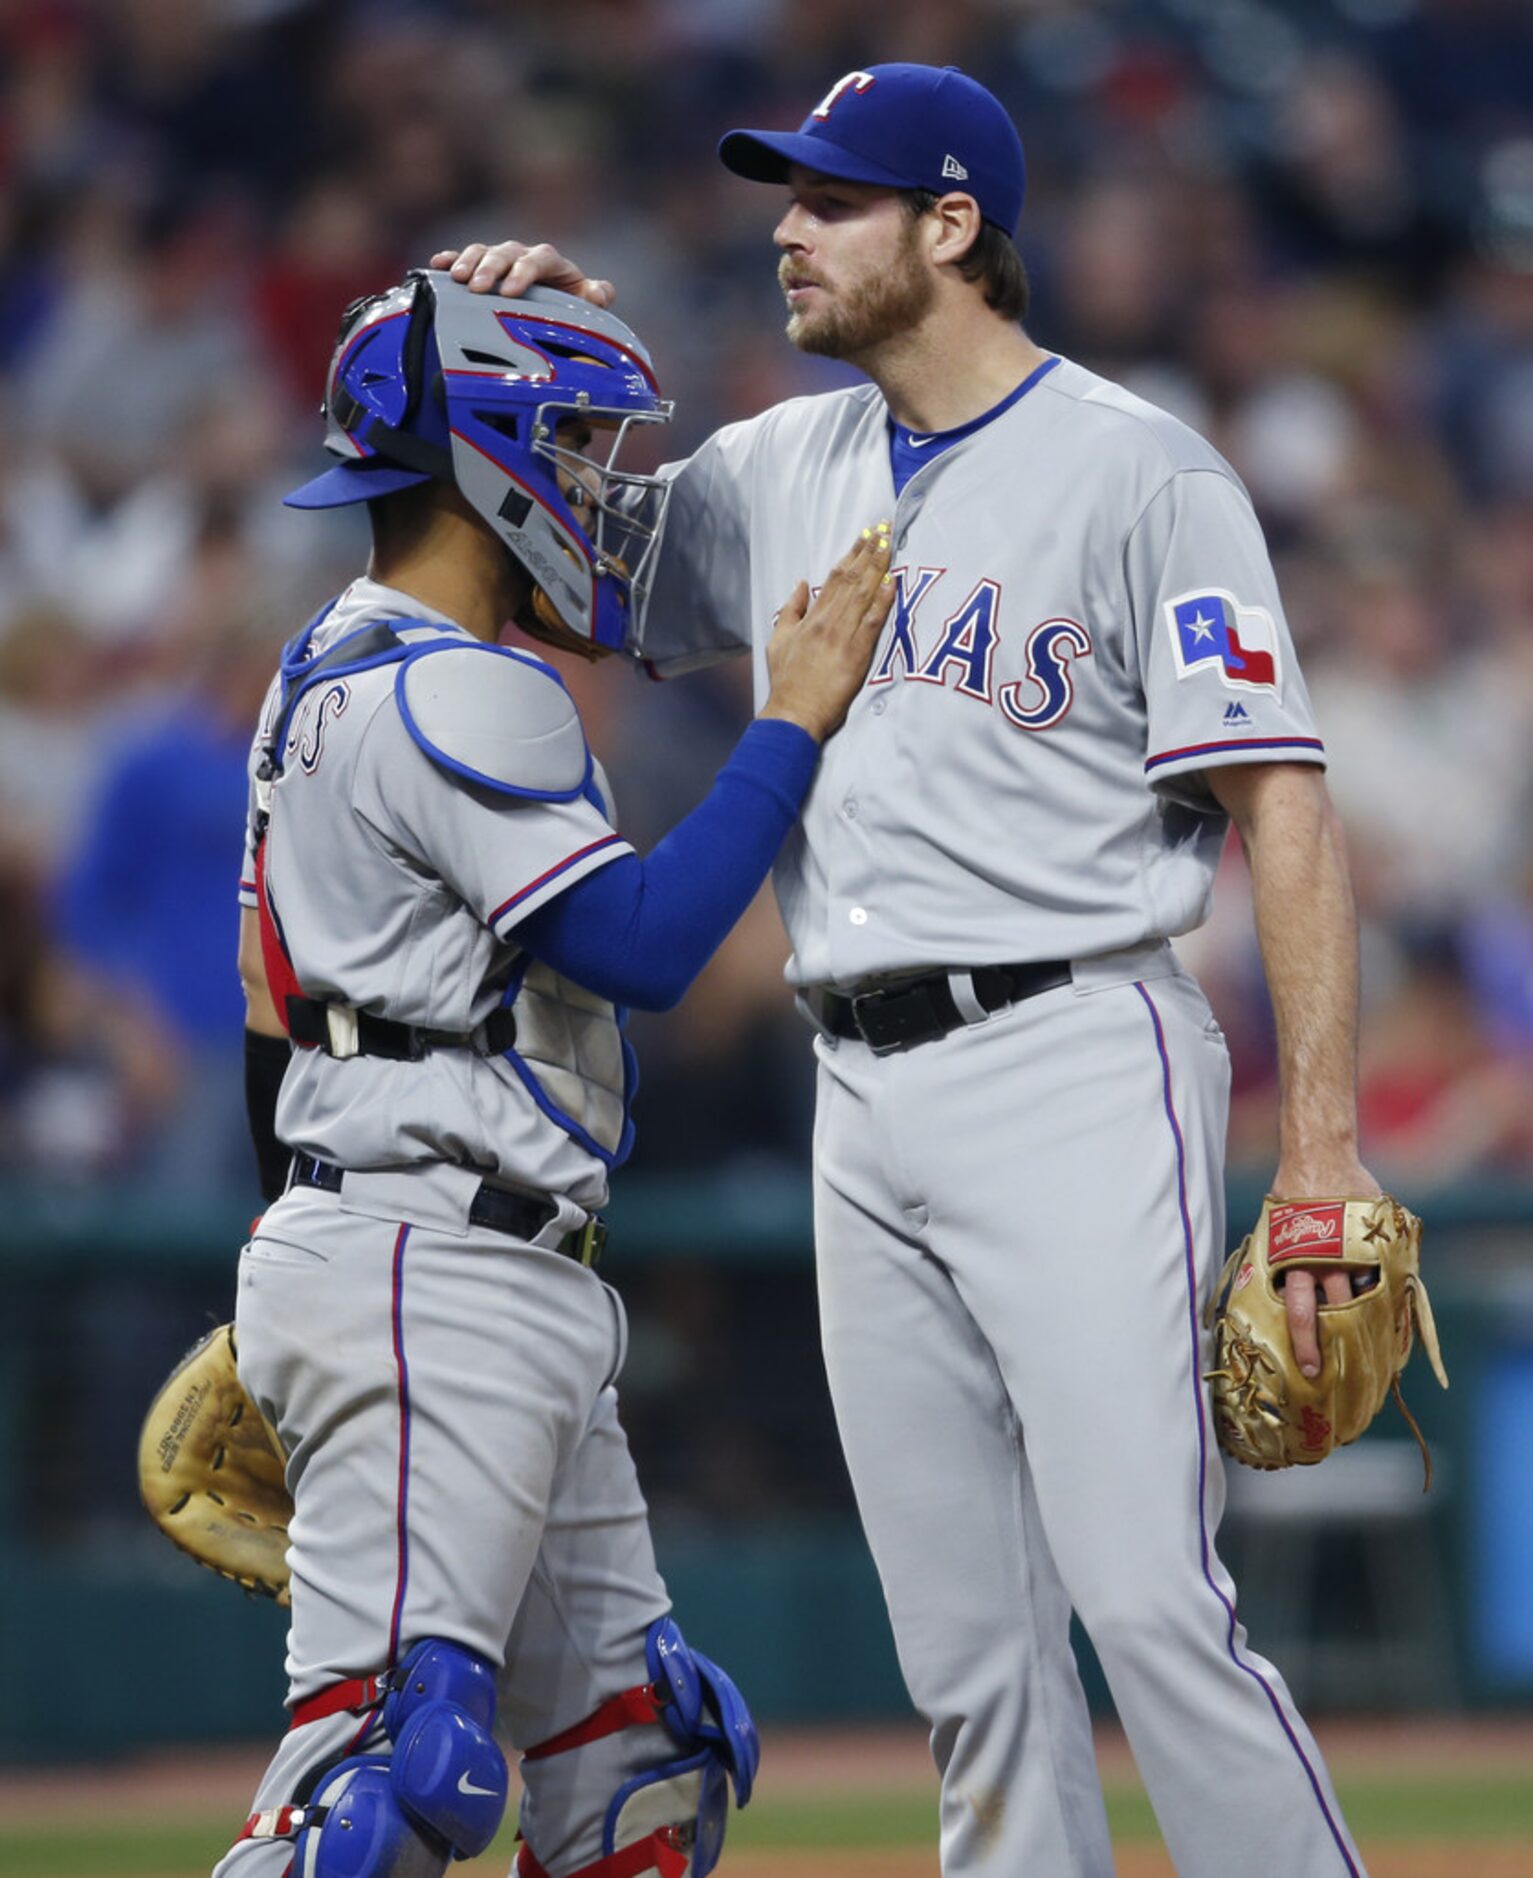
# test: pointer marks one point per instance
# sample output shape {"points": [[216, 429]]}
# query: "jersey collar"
{"points": [[368, 597], [935, 442]]}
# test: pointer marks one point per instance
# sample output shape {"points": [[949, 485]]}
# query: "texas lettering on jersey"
{"points": [[307, 734], [963, 655]]}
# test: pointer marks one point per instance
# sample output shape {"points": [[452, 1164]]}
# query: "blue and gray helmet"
{"points": [[431, 380]]}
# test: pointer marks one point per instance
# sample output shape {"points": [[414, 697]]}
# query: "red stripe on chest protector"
{"points": [[281, 979]]}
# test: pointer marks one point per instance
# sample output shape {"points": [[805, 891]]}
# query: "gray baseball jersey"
{"points": [[1011, 1212], [1086, 619], [399, 886]]}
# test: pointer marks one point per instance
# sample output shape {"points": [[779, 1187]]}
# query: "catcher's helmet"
{"points": [[430, 380]]}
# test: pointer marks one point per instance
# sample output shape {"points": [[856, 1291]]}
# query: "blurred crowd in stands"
{"points": [[1306, 226]]}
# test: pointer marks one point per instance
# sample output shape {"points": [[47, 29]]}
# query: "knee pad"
{"points": [[441, 1795], [705, 1709], [672, 1815]]}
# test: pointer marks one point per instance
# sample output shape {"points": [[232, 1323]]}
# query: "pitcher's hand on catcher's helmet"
{"points": [[511, 267], [1267, 1413], [211, 1471]]}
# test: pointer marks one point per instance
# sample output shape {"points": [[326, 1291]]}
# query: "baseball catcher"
{"points": [[1267, 1411], [441, 932]]}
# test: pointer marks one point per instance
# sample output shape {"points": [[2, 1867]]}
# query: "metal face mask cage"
{"points": [[582, 527], [628, 505]]}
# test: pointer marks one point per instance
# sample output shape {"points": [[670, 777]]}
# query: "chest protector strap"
{"points": [[374, 644]]}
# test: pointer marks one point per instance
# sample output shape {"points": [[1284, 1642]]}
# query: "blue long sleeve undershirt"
{"points": [[639, 931]]}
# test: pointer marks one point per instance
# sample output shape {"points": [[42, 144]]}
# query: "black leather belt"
{"points": [[918, 1010], [495, 1207], [342, 1031]]}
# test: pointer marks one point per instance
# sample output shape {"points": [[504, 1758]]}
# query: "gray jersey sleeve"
{"points": [[1221, 682], [700, 604], [502, 855]]}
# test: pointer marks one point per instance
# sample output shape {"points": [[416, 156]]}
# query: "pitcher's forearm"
{"points": [[1306, 923]]}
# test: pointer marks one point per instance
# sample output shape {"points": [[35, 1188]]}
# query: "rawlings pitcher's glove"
{"points": [[211, 1471], [1266, 1411]]}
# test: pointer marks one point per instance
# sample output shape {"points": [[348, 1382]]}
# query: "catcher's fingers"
{"points": [[858, 590], [819, 653], [794, 607]]}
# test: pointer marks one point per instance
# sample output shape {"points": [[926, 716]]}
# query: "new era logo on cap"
{"points": [[901, 127]]}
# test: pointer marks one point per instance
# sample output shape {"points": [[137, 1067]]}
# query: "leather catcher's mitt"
{"points": [[1267, 1413], [210, 1470]]}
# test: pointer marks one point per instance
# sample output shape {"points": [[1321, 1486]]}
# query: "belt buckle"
{"points": [[907, 1015], [588, 1242]]}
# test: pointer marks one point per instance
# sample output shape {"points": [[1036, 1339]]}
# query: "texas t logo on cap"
{"points": [[853, 80], [900, 127]]}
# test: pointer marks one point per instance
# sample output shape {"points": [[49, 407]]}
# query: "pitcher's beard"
{"points": [[867, 316]]}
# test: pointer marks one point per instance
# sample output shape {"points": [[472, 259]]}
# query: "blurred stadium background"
{"points": [[1304, 225]]}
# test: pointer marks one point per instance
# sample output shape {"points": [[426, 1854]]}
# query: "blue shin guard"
{"points": [[439, 1796]]}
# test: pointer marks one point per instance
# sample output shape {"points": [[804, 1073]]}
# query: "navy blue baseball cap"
{"points": [[904, 127]]}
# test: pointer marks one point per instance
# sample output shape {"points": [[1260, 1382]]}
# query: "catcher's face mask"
{"points": [[526, 405]]}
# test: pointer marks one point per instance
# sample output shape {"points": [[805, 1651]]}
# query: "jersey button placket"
{"points": [[853, 882], [907, 510], [849, 865]]}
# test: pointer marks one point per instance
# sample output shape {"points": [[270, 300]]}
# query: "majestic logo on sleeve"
{"points": [[1211, 630]]}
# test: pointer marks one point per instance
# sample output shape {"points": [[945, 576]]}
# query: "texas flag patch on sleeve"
{"points": [[1210, 629]]}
